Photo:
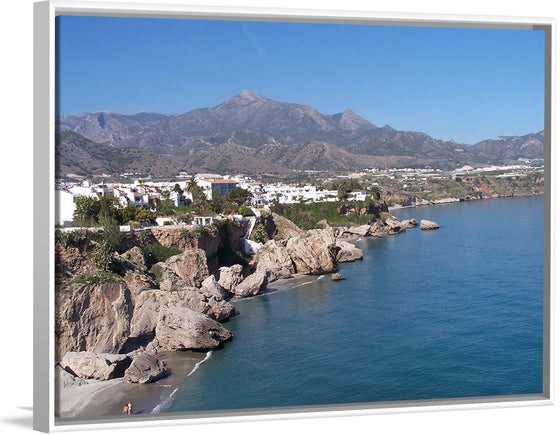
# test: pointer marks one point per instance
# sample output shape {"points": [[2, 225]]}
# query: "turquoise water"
{"points": [[456, 312]]}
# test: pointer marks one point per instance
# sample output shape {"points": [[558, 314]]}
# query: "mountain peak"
{"points": [[243, 98], [348, 120], [248, 94]]}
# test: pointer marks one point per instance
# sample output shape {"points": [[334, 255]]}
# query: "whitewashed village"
{"points": [[143, 192]]}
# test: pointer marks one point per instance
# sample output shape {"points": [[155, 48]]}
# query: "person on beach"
{"points": [[129, 408], [125, 409]]}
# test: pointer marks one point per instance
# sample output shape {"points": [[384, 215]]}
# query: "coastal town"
{"points": [[400, 186]]}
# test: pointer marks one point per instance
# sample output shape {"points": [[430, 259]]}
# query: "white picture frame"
{"points": [[44, 189]]}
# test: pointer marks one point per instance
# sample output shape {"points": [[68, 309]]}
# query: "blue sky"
{"points": [[465, 84]]}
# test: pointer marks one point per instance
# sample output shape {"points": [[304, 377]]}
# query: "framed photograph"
{"points": [[259, 213]]}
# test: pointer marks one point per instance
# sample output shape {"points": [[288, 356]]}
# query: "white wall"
{"points": [[65, 207]]}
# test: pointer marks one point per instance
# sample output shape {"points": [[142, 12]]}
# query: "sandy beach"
{"points": [[107, 398]]}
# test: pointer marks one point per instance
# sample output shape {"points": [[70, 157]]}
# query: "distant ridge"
{"points": [[249, 132]]}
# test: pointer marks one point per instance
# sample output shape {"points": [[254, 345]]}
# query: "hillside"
{"points": [[78, 156], [253, 134]]}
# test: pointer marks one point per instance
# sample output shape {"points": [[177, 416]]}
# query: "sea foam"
{"points": [[165, 404]]}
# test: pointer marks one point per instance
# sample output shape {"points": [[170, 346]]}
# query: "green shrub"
{"points": [[145, 237], [102, 256], [70, 238], [156, 252], [259, 233], [98, 278], [245, 211]]}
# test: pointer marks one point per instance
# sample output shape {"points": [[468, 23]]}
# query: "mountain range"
{"points": [[252, 134]]}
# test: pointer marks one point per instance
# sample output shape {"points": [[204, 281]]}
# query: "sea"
{"points": [[450, 313]]}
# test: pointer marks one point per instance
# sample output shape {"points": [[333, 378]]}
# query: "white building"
{"points": [[165, 220], [357, 195], [65, 207], [203, 220]]}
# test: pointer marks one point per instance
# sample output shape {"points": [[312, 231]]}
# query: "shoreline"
{"points": [[98, 399], [107, 398], [451, 200]]}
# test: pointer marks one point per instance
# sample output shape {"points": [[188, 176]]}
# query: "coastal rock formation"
{"points": [[389, 226], [348, 252], [275, 251], [65, 379], [312, 252], [278, 227], [394, 226], [72, 261], [166, 277], [88, 365], [336, 277], [208, 239], [419, 202], [138, 282], [211, 286], [93, 318], [133, 259], [182, 329], [230, 277], [409, 223], [149, 305], [251, 285], [273, 271], [360, 231], [145, 368], [190, 266], [428, 225]]}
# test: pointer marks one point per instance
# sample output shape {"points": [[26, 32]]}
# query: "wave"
{"points": [[197, 365], [165, 404]]}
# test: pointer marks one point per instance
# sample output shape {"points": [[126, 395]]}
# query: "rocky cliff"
{"points": [[178, 303]]}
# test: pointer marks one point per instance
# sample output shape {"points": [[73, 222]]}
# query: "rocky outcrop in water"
{"points": [[409, 223], [252, 285], [313, 252], [348, 252], [428, 225], [358, 230], [183, 329]]}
